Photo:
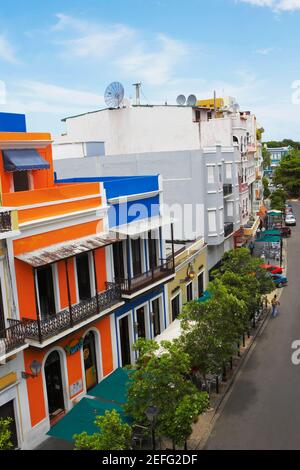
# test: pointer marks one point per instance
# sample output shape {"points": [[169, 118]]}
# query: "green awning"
{"points": [[269, 239], [275, 214], [271, 233], [82, 418], [114, 387]]}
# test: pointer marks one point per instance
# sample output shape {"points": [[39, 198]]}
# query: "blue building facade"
{"points": [[137, 260], [276, 155], [10, 122]]}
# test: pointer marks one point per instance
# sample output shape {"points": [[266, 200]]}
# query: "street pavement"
{"points": [[263, 409]]}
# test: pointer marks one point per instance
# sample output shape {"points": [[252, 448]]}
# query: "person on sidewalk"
{"points": [[275, 304]]}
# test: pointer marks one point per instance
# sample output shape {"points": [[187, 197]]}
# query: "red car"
{"points": [[272, 269]]}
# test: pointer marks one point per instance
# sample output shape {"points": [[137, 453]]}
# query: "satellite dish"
{"points": [[181, 99], [114, 95], [191, 101]]}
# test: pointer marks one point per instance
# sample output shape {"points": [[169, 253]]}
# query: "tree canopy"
{"points": [[288, 173]]}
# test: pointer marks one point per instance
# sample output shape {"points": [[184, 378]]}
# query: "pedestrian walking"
{"points": [[251, 247], [275, 304]]}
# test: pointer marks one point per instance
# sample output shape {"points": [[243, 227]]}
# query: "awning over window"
{"points": [[54, 253], [23, 159], [142, 225]]}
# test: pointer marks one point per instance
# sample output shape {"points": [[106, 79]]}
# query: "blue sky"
{"points": [[57, 57]]}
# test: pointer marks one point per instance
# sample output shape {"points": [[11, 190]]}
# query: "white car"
{"points": [[290, 219]]}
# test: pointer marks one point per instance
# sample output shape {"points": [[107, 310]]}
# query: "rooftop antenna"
{"points": [[181, 100], [191, 101], [114, 95], [137, 93]]}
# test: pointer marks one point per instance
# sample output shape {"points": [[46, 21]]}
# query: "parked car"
{"points": [[272, 268], [286, 232], [290, 219], [279, 280]]}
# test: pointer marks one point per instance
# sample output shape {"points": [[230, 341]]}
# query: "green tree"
{"points": [[266, 158], [267, 191], [113, 434], [278, 199], [5, 434], [288, 173], [162, 379]]}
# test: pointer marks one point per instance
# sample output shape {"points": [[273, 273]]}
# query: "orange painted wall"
{"points": [[25, 288], [57, 209], [106, 345], [23, 245], [100, 268], [75, 372]]}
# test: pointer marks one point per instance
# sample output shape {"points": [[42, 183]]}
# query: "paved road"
{"points": [[263, 410]]}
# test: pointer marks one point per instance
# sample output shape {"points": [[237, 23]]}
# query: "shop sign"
{"points": [[74, 346]]}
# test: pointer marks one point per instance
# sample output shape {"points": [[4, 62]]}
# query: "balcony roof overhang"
{"points": [[61, 251], [142, 225]]}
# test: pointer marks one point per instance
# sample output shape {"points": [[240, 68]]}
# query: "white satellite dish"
{"points": [[181, 100], [191, 101], [114, 95]]}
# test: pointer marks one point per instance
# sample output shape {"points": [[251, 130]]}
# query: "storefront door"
{"points": [[90, 364], [125, 341], [54, 387]]}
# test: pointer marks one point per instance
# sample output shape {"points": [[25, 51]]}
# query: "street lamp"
{"points": [[151, 413], [35, 368]]}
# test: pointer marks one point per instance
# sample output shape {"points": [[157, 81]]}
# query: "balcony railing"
{"points": [[228, 229], [135, 283], [46, 328], [12, 338], [5, 221], [227, 189]]}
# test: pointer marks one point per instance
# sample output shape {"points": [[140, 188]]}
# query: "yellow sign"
{"points": [[8, 380]]}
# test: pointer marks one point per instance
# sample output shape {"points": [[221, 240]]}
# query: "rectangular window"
{"points": [[153, 258], [175, 307], [210, 175], [83, 276], [118, 261], [229, 209], [200, 284], [21, 181], [228, 171], [156, 317], [141, 323], [220, 173], [46, 291], [189, 292], [136, 257], [212, 223], [7, 411]]}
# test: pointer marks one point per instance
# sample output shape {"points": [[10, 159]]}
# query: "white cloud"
{"points": [[7, 52], [275, 5], [38, 97], [264, 51], [150, 59], [153, 62]]}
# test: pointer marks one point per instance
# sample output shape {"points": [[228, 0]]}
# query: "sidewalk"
{"points": [[203, 427]]}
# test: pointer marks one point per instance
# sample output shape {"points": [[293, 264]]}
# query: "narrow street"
{"points": [[263, 410]]}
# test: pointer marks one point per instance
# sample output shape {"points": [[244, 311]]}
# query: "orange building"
{"points": [[58, 269]]}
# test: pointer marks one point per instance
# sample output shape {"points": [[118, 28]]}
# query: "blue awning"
{"points": [[24, 159]]}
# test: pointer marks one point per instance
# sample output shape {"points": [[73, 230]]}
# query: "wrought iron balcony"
{"points": [[41, 330], [228, 229], [159, 273], [227, 189], [12, 338]]}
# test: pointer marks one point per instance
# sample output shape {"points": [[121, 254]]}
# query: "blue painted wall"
{"points": [[12, 122], [116, 186]]}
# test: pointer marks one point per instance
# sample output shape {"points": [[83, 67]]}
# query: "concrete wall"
{"points": [[136, 129]]}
